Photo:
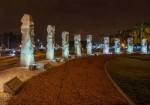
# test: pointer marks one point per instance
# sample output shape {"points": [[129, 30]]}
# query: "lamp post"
{"points": [[38, 43], [8, 42]]}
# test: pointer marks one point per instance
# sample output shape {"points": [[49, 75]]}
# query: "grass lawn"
{"points": [[133, 76]]}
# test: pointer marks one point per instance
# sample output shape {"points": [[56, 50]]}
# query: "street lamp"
{"points": [[123, 45], [8, 42]]}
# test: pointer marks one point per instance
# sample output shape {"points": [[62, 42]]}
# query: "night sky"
{"points": [[74, 16]]}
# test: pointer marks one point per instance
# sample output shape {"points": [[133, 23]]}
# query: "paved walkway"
{"points": [[81, 81]]}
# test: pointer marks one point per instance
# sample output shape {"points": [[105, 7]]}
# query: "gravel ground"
{"points": [[23, 73]]}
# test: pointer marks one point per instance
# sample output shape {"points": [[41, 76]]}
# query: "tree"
{"points": [[11, 40], [140, 28], [122, 36], [112, 39], [147, 32], [101, 36], [134, 34]]}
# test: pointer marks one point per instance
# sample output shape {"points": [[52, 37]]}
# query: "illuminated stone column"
{"points": [[106, 45], [130, 45], [89, 44], [65, 44], [117, 45], [144, 46], [50, 42], [27, 47], [77, 44]]}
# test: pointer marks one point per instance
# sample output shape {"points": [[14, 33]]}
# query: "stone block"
{"points": [[47, 66], [13, 85], [33, 67]]}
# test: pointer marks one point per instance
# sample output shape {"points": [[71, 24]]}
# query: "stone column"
{"points": [[50, 42], [117, 45], [106, 45], [65, 44], [89, 44], [77, 44], [144, 46], [130, 45], [27, 47]]}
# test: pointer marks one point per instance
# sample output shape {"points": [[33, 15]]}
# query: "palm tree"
{"points": [[140, 28], [125, 35], [101, 36], [122, 35], [9, 39], [112, 39], [135, 35], [147, 33]]}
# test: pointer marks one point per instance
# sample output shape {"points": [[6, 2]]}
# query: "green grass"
{"points": [[133, 77], [141, 57]]}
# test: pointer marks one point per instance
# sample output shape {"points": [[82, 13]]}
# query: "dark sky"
{"points": [[90, 16]]}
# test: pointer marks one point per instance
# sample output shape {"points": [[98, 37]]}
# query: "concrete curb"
{"points": [[118, 88]]}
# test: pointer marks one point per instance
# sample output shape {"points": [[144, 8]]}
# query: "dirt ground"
{"points": [[81, 81]]}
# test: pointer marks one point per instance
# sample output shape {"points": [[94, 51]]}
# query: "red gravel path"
{"points": [[81, 81]]}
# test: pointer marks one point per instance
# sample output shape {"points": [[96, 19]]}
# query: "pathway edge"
{"points": [[117, 87]]}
